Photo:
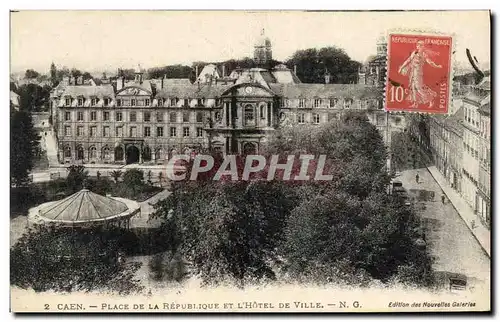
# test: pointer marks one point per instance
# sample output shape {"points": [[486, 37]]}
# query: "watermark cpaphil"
{"points": [[231, 167]]}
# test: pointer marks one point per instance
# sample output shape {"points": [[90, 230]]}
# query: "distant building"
{"points": [[263, 53], [373, 71], [460, 145]]}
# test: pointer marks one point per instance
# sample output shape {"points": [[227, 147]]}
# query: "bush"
{"points": [[67, 260], [77, 176], [100, 186]]}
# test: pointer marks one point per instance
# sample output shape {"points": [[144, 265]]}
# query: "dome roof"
{"points": [[262, 40], [83, 206]]}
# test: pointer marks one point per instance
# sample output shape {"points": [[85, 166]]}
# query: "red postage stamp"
{"points": [[419, 73]]}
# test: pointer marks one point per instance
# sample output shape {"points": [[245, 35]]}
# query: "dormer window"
{"points": [[68, 101], [173, 102], [186, 102], [106, 101], [302, 102], [333, 102], [147, 102], [80, 101], [317, 102], [133, 102], [160, 102], [93, 101]]}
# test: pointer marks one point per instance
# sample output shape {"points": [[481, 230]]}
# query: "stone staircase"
{"points": [[51, 147]]}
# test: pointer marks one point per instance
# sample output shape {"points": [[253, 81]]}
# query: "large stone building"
{"points": [[150, 120]]}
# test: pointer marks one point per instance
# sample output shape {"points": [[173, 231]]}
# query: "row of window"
{"points": [[146, 116], [485, 129], [106, 131], [80, 101], [471, 116], [318, 102]]}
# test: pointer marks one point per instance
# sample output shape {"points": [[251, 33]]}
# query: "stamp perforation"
{"points": [[452, 68]]}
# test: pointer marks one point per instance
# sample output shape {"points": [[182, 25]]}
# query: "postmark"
{"points": [[419, 69]]}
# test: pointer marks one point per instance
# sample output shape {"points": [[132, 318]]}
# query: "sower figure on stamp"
{"points": [[414, 68]]}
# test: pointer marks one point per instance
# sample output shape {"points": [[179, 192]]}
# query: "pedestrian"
{"points": [[442, 198], [416, 178]]}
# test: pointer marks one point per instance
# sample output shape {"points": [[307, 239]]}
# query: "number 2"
{"points": [[46, 306], [397, 94]]}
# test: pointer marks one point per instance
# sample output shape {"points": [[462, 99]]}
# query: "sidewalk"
{"points": [[481, 233]]}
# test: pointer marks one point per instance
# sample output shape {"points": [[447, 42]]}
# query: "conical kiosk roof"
{"points": [[85, 206]]}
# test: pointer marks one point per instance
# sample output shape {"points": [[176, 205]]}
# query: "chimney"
{"points": [[295, 69], [164, 76], [119, 83], [196, 71], [223, 71], [327, 77]]}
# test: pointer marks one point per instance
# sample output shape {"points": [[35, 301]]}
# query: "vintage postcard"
{"points": [[250, 161]]}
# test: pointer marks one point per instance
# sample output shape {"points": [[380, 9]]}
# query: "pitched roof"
{"points": [[83, 206], [454, 121], [88, 91], [285, 77], [485, 109], [326, 90], [146, 85], [192, 91]]}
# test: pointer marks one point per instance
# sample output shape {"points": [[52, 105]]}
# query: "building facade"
{"points": [[148, 121], [460, 146], [484, 182]]}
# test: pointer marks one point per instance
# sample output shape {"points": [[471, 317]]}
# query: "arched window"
{"points": [[106, 153], [173, 152], [262, 110], [119, 153], [146, 154], [158, 154], [67, 152], [92, 153], [79, 153], [249, 115]]}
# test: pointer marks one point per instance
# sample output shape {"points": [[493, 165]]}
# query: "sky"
{"points": [[107, 40]]}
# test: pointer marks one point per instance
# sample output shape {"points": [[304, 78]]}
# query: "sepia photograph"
{"points": [[250, 161]]}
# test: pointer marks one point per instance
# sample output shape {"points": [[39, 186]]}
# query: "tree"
{"points": [[33, 97], [86, 75], [66, 260], [31, 74], [116, 174], [134, 180], [128, 74], [23, 143], [171, 71], [312, 64], [378, 232], [75, 72], [77, 175]]}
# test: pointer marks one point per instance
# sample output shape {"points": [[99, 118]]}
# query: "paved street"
{"points": [[449, 239]]}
